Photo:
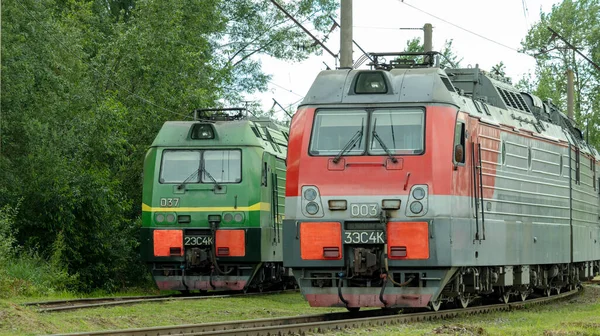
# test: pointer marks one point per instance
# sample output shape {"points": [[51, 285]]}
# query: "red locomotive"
{"points": [[412, 186]]}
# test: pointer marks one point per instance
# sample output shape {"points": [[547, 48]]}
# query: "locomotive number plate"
{"points": [[364, 237], [169, 202], [364, 209], [198, 240]]}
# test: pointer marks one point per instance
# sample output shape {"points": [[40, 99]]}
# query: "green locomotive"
{"points": [[213, 203]]}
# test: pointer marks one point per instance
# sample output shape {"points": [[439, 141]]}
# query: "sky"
{"points": [[376, 28]]}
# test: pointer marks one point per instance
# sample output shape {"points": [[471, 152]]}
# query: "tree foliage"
{"points": [[447, 59], [87, 84], [577, 22]]}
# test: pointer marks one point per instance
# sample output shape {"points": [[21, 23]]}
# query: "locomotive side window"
{"points": [[401, 131], [179, 165], [223, 166], [459, 139], [334, 130]]}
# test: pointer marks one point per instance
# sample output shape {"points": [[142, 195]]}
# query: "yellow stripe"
{"points": [[260, 206]]}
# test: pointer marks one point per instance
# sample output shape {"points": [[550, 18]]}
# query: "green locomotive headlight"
{"points": [[203, 131], [160, 218], [227, 217], [238, 217]]}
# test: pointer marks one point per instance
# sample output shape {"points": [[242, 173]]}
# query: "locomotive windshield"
{"points": [[394, 130], [195, 166], [333, 130], [400, 131]]}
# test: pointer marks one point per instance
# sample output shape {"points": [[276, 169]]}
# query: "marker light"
{"points": [[337, 204], [418, 193], [312, 208], [390, 204], [310, 194], [416, 207]]}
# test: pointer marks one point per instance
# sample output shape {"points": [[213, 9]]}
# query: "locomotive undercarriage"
{"points": [[235, 277], [503, 283], [202, 271], [365, 271]]}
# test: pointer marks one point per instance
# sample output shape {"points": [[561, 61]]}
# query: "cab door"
{"points": [[461, 175]]}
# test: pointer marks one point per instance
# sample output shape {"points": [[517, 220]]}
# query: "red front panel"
{"points": [[368, 174], [168, 243], [408, 240], [230, 243], [321, 241]]}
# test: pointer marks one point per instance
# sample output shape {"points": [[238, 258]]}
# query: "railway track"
{"points": [[74, 304], [317, 323]]}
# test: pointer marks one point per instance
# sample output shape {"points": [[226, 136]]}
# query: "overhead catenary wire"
{"points": [[104, 76], [466, 30]]}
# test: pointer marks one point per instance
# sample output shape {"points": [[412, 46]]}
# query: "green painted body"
{"points": [[258, 197]]}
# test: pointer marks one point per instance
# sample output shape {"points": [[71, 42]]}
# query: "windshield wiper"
{"points": [[196, 172], [217, 185], [355, 138], [376, 136], [188, 178]]}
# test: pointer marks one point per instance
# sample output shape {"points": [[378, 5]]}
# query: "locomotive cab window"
{"points": [[335, 130], [179, 165], [222, 165], [201, 166], [399, 130], [459, 143]]}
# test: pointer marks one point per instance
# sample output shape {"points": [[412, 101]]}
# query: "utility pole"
{"points": [[346, 35], [570, 93], [427, 39], [427, 42]]}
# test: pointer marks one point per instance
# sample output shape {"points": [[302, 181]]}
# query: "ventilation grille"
{"points": [[514, 100], [446, 82], [275, 137]]}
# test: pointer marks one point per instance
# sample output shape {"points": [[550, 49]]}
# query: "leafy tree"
{"points": [[499, 69], [448, 58], [87, 84], [577, 22]]}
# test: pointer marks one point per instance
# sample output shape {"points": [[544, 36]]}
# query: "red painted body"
{"points": [[364, 175]]}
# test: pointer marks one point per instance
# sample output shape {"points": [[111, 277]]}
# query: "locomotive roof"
{"points": [[254, 132], [484, 96]]}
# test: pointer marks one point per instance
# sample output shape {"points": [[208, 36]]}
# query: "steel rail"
{"points": [[316, 323], [74, 304]]}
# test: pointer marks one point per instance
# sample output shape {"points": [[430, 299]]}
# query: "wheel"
{"points": [[558, 290], [547, 292], [523, 296], [435, 305], [260, 288], [505, 298], [353, 309], [463, 301]]}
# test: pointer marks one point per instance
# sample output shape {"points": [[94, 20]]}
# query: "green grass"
{"points": [[574, 316]]}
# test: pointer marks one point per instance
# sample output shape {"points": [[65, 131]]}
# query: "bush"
{"points": [[25, 272]]}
